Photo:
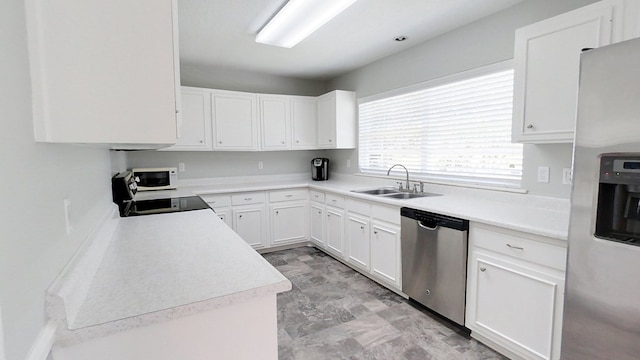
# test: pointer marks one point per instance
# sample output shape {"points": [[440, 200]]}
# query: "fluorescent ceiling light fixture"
{"points": [[298, 19]]}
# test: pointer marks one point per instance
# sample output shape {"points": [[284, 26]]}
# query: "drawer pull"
{"points": [[334, 200], [483, 269], [277, 212], [248, 199], [288, 196], [361, 227], [240, 216], [375, 232], [515, 247]]}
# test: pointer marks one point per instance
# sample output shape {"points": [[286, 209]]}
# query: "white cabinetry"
{"points": [[335, 230], [515, 292], [317, 219], [304, 122], [385, 252], [249, 218], [288, 213], [194, 124], [358, 245], [337, 120], [275, 122], [235, 122], [96, 76], [221, 204], [547, 58]]}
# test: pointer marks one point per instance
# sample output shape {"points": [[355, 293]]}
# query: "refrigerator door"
{"points": [[602, 300]]}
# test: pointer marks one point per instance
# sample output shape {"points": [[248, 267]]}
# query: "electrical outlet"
{"points": [[67, 215], [543, 174], [348, 163], [260, 165], [181, 167], [566, 176]]}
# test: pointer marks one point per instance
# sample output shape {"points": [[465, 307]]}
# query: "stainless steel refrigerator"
{"points": [[602, 299]]}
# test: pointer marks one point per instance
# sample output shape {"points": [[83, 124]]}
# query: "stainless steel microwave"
{"points": [[155, 178]]}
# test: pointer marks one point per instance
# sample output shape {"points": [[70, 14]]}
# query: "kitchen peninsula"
{"points": [[166, 286]]}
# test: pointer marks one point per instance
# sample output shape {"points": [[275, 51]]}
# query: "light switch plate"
{"points": [[260, 165], [543, 174], [566, 176]]}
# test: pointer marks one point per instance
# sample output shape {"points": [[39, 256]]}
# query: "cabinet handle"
{"points": [[334, 201], [361, 227], [248, 199], [288, 196], [277, 212], [319, 212], [240, 216], [330, 140], [219, 142], [201, 141], [515, 247], [530, 126], [483, 269], [297, 141], [375, 232], [282, 142]]}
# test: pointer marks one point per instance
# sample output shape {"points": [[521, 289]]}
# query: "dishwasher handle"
{"points": [[434, 227]]}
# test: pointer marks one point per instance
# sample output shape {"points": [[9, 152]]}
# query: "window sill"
{"points": [[450, 183]]}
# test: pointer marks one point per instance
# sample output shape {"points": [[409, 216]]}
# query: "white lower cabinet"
{"points": [[249, 224], [385, 252], [335, 230], [357, 231], [288, 223], [317, 224], [515, 292]]}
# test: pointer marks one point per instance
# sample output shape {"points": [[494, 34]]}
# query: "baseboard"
{"points": [[42, 346]]}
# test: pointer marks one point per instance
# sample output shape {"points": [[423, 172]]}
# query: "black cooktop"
{"points": [[162, 206]]}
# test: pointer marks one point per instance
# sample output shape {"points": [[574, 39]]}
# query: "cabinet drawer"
{"points": [[288, 195], [390, 214], [357, 206], [217, 201], [335, 200], [519, 247], [247, 198], [316, 196]]}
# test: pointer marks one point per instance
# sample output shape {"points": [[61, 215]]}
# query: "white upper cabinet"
{"points": [[547, 62], [235, 123], [337, 120], [98, 77], [275, 122], [304, 122], [194, 124]]}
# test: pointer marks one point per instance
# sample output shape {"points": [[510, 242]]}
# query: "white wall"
{"points": [[484, 42], [238, 80], [200, 165], [36, 178]]}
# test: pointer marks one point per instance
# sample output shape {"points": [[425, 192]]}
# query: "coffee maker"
{"points": [[320, 169]]}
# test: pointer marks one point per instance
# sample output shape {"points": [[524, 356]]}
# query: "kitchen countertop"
{"points": [[539, 215], [165, 266]]}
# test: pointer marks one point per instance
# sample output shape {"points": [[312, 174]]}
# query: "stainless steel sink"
{"points": [[382, 191], [409, 195], [393, 193]]}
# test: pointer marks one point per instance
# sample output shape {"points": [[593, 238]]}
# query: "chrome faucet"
{"points": [[405, 169]]}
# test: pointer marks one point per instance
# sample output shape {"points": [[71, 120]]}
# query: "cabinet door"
{"points": [[335, 233], [96, 76], [385, 252], [547, 63], [304, 120], [225, 215], [249, 225], [516, 305], [357, 231], [194, 124], [327, 120], [317, 224], [275, 113], [288, 223], [234, 121]]}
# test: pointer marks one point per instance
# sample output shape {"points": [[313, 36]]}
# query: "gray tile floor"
{"points": [[333, 312]]}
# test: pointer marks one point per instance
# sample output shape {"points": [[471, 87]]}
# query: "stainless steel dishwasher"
{"points": [[434, 261]]}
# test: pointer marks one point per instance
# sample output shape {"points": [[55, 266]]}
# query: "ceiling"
{"points": [[220, 33]]}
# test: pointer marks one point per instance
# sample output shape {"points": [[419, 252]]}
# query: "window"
{"points": [[453, 129]]}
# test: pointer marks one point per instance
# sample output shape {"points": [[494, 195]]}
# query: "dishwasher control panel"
{"points": [[433, 219]]}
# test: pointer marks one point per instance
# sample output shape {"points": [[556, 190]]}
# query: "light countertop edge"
{"points": [[538, 215]]}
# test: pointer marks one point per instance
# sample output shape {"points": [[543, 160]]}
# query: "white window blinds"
{"points": [[458, 131]]}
